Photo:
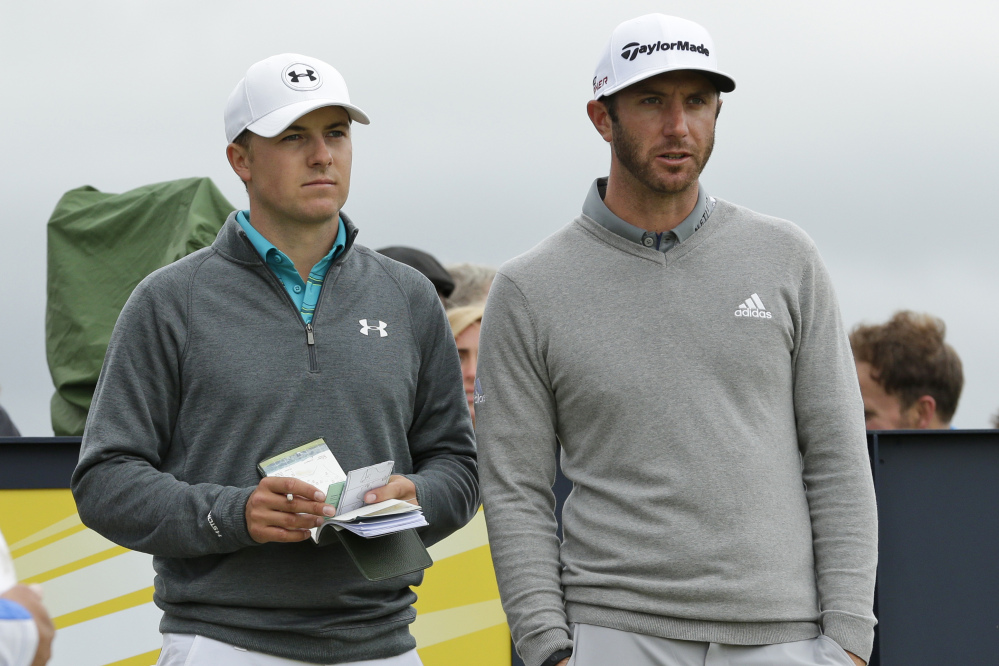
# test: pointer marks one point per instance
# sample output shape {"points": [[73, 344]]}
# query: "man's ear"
{"points": [[924, 409], [597, 112], [718, 109], [239, 160]]}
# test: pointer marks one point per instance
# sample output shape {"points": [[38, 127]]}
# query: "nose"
{"points": [[321, 155], [674, 119], [468, 368]]}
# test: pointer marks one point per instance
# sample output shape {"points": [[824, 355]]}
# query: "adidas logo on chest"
{"points": [[753, 307]]}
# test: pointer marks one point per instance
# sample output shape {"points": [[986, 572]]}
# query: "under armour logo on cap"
{"points": [[295, 75], [380, 327], [302, 77]]}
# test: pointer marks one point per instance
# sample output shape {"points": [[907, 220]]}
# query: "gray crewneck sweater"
{"points": [[210, 370], [708, 409]]}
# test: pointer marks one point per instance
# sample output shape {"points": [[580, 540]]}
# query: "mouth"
{"points": [[320, 182], [673, 157]]}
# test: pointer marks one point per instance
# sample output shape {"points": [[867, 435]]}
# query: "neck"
{"points": [[636, 204], [304, 243], [937, 424]]}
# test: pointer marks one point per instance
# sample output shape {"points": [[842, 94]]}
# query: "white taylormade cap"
{"points": [[653, 44], [281, 89]]}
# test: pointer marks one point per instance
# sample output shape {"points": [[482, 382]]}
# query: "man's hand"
{"points": [[398, 487], [564, 662], [285, 509], [857, 660], [31, 599]]}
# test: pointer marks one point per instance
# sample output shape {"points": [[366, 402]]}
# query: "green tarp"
{"points": [[100, 247]]}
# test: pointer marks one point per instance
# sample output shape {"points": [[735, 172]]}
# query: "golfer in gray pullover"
{"points": [[281, 332], [687, 354]]}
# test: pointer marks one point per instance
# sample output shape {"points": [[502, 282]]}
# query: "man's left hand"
{"points": [[398, 487], [857, 660]]}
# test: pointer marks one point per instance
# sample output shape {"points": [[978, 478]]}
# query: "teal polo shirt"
{"points": [[304, 295]]}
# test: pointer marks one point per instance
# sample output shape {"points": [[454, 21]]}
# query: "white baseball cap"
{"points": [[653, 44], [281, 89]]}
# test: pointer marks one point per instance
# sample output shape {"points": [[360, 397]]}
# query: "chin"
{"points": [[319, 214]]}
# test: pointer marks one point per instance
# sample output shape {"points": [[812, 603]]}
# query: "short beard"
{"points": [[627, 150]]}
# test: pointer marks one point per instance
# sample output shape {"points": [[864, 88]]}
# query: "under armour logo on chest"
{"points": [[295, 76], [380, 327]]}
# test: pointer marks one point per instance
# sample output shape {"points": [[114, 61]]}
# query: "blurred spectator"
{"points": [[465, 324], [7, 427], [426, 264], [471, 284], [26, 630], [909, 377]]}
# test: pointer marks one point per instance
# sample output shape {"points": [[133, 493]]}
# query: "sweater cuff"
{"points": [[853, 633], [227, 519], [537, 650]]}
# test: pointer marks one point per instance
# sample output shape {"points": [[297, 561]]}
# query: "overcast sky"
{"points": [[872, 125]]}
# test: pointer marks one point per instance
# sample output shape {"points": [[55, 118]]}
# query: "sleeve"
{"points": [[441, 440], [836, 466], [516, 426], [18, 635], [118, 486]]}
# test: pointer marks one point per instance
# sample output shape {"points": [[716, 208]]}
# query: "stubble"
{"points": [[642, 167]]}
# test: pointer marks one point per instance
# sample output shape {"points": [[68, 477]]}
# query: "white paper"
{"points": [[359, 482], [386, 508], [375, 527], [319, 470]]}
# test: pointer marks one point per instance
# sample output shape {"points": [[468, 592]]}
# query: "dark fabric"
{"points": [[100, 246], [423, 262], [557, 657]]}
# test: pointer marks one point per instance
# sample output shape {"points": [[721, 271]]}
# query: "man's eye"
{"points": [[292, 137], [337, 134], [650, 100], [697, 100]]}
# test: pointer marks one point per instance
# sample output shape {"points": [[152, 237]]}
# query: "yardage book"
{"points": [[388, 544]]}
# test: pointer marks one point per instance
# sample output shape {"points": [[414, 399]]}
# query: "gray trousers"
{"points": [[600, 646], [191, 650]]}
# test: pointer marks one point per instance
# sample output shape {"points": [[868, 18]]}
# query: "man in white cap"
{"points": [[688, 356], [281, 332]]}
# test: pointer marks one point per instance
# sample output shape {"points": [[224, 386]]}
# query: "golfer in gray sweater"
{"points": [[688, 356], [283, 331]]}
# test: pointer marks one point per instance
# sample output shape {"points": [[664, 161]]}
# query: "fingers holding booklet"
{"points": [[398, 487], [285, 509], [369, 501]]}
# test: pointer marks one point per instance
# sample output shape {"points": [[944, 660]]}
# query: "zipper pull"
{"points": [[309, 335]]}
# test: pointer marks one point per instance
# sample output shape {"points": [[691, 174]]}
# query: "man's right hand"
{"points": [[32, 602], [272, 516]]}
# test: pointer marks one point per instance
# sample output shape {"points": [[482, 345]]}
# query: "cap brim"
{"points": [[278, 120], [722, 81]]}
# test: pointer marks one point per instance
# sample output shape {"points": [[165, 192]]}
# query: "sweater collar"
{"points": [[233, 242], [595, 209]]}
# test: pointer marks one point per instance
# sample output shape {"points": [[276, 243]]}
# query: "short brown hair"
{"points": [[243, 139], [909, 358]]}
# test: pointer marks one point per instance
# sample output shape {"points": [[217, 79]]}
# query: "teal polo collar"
{"points": [[305, 295]]}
